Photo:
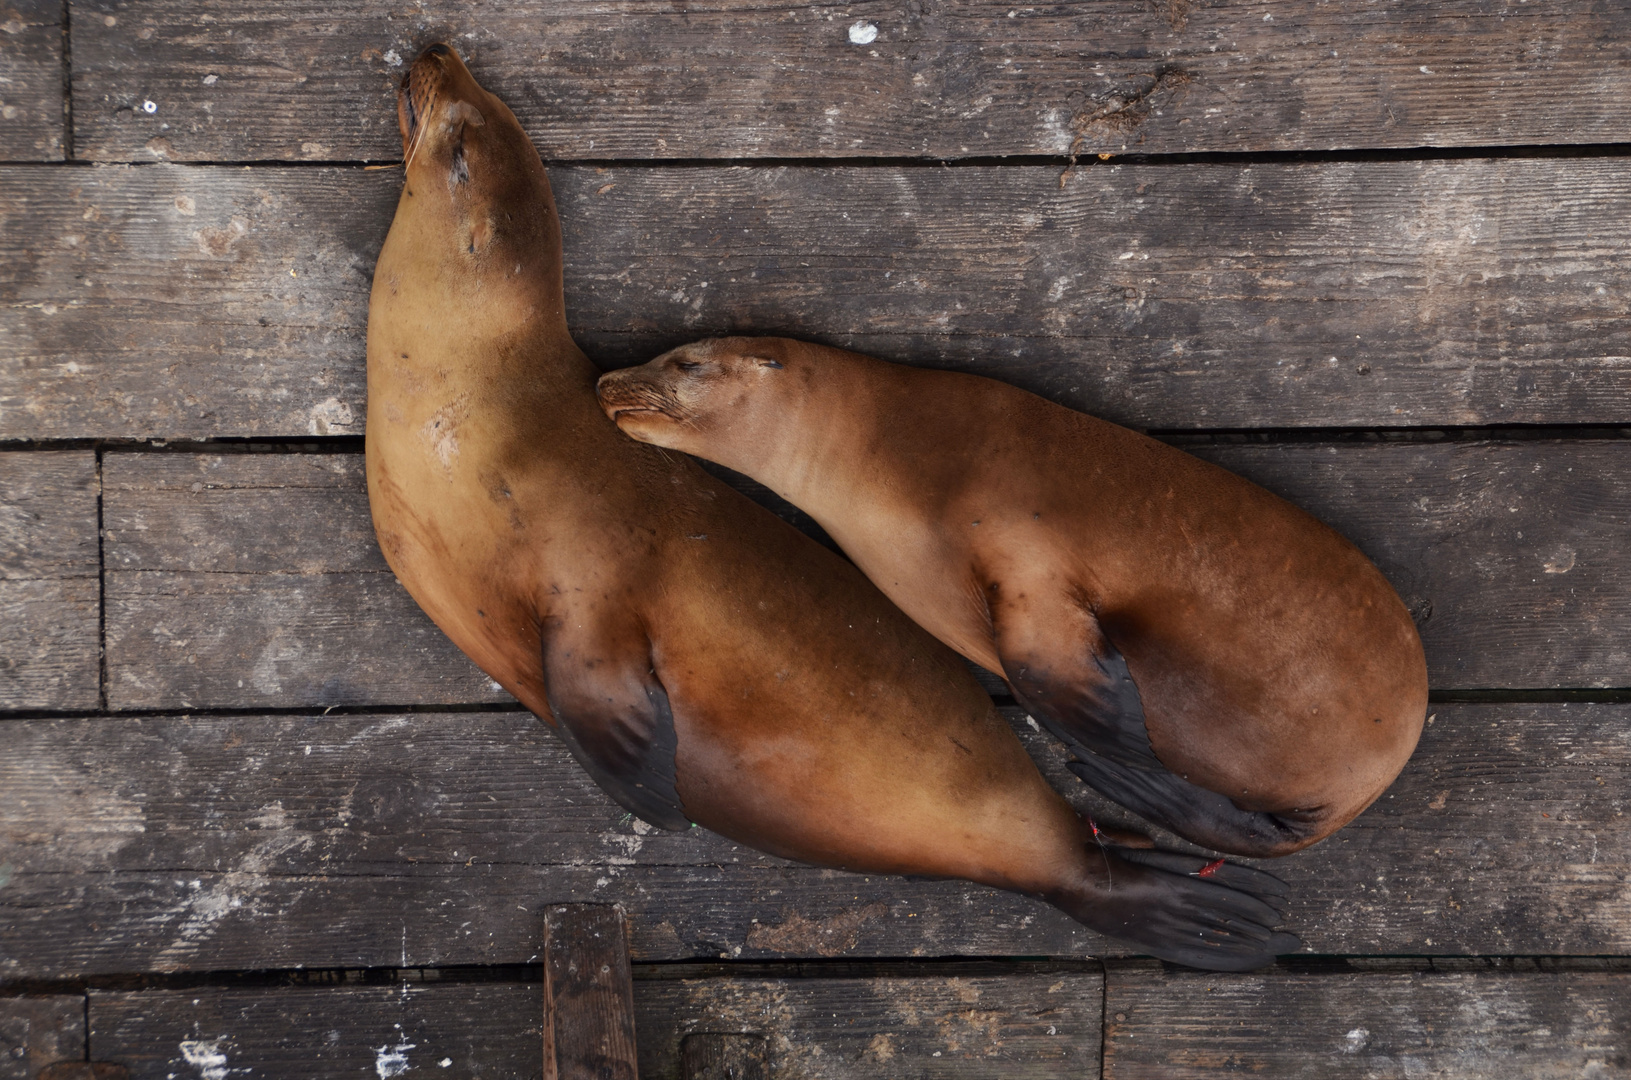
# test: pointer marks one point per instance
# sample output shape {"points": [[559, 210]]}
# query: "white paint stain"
{"points": [[329, 415], [445, 1063], [862, 33], [211, 80], [393, 58], [1355, 1041], [206, 1057], [150, 107], [1561, 563], [392, 1061]]}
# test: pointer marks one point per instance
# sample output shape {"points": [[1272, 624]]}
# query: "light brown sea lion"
{"points": [[1218, 660], [703, 660]]}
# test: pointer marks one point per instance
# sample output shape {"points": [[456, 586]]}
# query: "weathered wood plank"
{"points": [[366, 841], [285, 544], [1330, 1026], [39, 1031], [32, 115], [710, 1056], [222, 844], [170, 302], [941, 79], [1009, 1027], [84, 1070], [424, 1029], [1507, 551], [50, 589], [588, 994], [1030, 1026]]}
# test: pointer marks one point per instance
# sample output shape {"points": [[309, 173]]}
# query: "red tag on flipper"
{"points": [[1210, 868]]}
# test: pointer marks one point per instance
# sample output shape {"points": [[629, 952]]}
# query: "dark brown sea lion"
{"points": [[702, 659], [1219, 661]]}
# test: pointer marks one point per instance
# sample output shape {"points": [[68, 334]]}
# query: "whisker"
{"points": [[419, 132]]}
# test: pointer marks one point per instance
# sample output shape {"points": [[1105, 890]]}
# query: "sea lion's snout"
{"points": [[437, 85], [671, 400], [640, 401]]}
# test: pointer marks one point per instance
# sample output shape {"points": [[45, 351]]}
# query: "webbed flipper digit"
{"points": [[1181, 908]]}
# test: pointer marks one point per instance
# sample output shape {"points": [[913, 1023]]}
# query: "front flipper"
{"points": [[1068, 675], [1216, 916], [613, 714]]}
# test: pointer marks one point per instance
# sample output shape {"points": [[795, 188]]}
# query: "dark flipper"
{"points": [[1215, 916], [1076, 683], [613, 714]]}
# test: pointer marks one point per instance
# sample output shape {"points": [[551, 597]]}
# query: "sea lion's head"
{"points": [[476, 201], [698, 396]]}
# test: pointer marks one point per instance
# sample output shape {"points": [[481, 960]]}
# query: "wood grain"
{"points": [[32, 118], [36, 1032], [285, 545], [247, 843], [939, 79], [50, 590], [589, 994], [1488, 1020], [424, 1029], [180, 302], [710, 1056], [1506, 552], [972, 1028]]}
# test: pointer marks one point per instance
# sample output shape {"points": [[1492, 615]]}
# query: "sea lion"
{"points": [[1219, 661], [703, 660]]}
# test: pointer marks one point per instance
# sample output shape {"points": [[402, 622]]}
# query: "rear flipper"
{"points": [[1217, 916], [613, 714], [1069, 676]]}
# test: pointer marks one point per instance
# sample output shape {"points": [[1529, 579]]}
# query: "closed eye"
{"points": [[688, 365]]}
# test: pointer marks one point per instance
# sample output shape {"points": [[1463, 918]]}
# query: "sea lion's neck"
{"points": [[805, 431]]}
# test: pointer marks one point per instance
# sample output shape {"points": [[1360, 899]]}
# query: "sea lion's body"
{"points": [[1220, 661], [704, 661]]}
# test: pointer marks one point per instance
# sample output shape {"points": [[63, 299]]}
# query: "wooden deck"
{"points": [[258, 817]]}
